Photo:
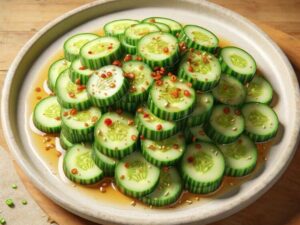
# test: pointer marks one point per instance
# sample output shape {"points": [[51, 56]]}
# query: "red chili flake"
{"points": [[117, 63], [166, 50], [205, 59], [110, 47], [162, 70], [71, 94], [81, 88], [103, 76], [170, 74], [226, 110], [173, 78], [175, 146], [132, 89], [190, 159], [157, 77], [78, 81], [130, 122], [190, 69], [192, 50], [142, 137], [127, 57], [175, 93], [187, 93], [86, 124], [73, 112], [130, 75], [94, 119], [58, 153], [82, 68], [240, 141], [189, 84], [65, 113], [166, 169], [159, 82], [140, 110], [57, 118], [126, 165], [193, 139], [133, 137], [139, 58], [109, 74], [38, 89], [159, 127], [201, 132], [90, 52], [146, 115], [38, 97], [74, 171], [108, 122], [157, 68], [237, 112], [122, 177], [52, 94], [198, 146], [119, 111], [177, 35], [152, 20]]}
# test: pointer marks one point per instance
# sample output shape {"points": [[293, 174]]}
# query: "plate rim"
{"points": [[13, 145]]}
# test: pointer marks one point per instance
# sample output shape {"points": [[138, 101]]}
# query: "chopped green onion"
{"points": [[2, 221], [14, 186], [9, 202], [24, 202]]}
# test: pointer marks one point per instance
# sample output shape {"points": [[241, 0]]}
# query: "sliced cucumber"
{"points": [[166, 152], [259, 90], [55, 69], [225, 124], [159, 49], [117, 28], [100, 52], [105, 163], [163, 27], [128, 48], [171, 100], [261, 122], [126, 105], [115, 135], [202, 69], [140, 79], [71, 95], [64, 142], [134, 33], [196, 133], [174, 25], [202, 167], [135, 176], [229, 91], [46, 115], [79, 73], [197, 37], [107, 86], [240, 156], [73, 44], [238, 63], [78, 126], [204, 104], [168, 189], [79, 166]]}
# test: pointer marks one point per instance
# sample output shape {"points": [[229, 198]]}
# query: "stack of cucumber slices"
{"points": [[159, 106]]}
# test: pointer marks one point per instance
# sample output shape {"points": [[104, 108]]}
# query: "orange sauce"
{"points": [[45, 146]]}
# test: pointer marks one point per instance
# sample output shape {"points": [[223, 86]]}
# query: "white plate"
{"points": [[224, 23]]}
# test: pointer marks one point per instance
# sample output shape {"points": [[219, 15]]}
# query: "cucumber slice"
{"points": [[202, 69], [107, 86], [163, 27], [64, 142], [261, 122], [152, 127], [79, 166], [238, 63], [171, 100], [73, 44], [225, 124], [125, 105], [196, 133], [70, 95], [117, 28], [229, 91], [166, 152], [100, 52], [197, 37], [134, 33], [105, 163], [140, 81], [115, 135], [78, 126], [55, 69], [168, 189], [259, 90], [135, 176], [240, 156], [174, 25], [204, 104], [46, 115], [202, 167], [79, 73], [159, 49], [130, 49]]}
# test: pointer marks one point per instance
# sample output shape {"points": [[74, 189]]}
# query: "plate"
{"points": [[224, 23]]}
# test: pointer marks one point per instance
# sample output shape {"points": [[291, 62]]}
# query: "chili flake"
{"points": [[133, 137], [187, 93], [117, 63], [127, 57], [77, 81], [112, 85], [190, 159], [74, 171], [73, 112], [108, 122], [175, 146], [159, 127], [166, 50], [237, 112], [159, 82], [198, 146], [173, 78], [38, 89], [226, 110], [126, 165], [82, 68]]}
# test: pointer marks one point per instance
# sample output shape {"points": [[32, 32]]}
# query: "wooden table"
{"points": [[20, 19]]}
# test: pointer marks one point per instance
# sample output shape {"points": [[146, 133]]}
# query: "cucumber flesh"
{"points": [[79, 72], [105, 163], [174, 25], [134, 33], [55, 70], [259, 90], [117, 27]]}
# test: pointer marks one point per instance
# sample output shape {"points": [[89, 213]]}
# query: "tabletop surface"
{"points": [[20, 20]]}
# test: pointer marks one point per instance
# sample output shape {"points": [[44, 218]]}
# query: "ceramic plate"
{"points": [[224, 23]]}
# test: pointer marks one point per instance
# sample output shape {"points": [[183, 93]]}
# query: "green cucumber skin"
{"points": [[126, 106], [239, 173], [129, 49], [108, 169], [74, 76], [77, 136], [78, 105], [112, 99], [198, 120], [168, 115], [46, 129], [173, 31], [203, 189], [64, 142]]}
